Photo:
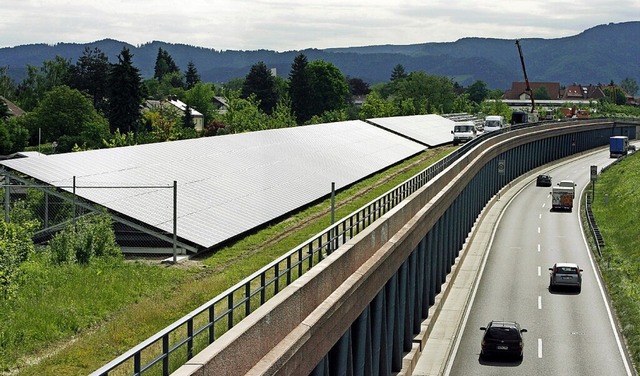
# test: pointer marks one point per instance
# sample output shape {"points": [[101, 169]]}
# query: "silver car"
{"points": [[565, 274]]}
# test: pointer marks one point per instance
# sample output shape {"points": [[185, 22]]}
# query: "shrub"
{"points": [[91, 236]]}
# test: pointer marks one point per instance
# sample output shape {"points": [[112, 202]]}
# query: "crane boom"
{"points": [[526, 79]]}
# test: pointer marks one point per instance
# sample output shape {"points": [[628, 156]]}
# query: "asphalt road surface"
{"points": [[569, 333]]}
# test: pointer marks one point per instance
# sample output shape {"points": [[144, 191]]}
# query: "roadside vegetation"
{"points": [[70, 318], [616, 208]]}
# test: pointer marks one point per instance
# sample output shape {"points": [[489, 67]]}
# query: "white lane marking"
{"points": [[539, 271], [539, 216], [538, 247], [538, 230], [539, 347], [539, 302], [543, 205]]}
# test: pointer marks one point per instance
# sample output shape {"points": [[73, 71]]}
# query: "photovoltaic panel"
{"points": [[431, 130], [227, 184]]}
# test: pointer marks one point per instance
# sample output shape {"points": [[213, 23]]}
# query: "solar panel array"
{"points": [[227, 184], [431, 130]]}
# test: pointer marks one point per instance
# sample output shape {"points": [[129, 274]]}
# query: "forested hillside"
{"points": [[601, 54]]}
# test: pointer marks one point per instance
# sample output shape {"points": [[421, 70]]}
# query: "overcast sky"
{"points": [[284, 25]]}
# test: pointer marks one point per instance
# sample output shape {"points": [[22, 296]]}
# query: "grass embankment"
{"points": [[617, 211], [87, 316]]}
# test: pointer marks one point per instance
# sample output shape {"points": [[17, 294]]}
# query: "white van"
{"points": [[463, 131], [493, 123]]}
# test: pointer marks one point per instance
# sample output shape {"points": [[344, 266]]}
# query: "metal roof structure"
{"points": [[431, 130], [226, 185]]}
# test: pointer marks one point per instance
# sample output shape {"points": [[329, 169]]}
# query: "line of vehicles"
{"points": [[505, 338]]}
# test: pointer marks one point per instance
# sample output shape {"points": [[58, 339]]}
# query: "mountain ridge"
{"points": [[597, 55]]}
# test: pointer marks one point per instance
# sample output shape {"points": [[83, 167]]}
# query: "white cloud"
{"points": [[287, 25]]}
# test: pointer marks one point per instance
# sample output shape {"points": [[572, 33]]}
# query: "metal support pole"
{"points": [[74, 202], [7, 197], [175, 221], [333, 231]]}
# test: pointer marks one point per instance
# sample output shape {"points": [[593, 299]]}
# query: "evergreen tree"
{"points": [[125, 94], [261, 83], [187, 118], [90, 75], [398, 73], [192, 76], [164, 64], [300, 90]]}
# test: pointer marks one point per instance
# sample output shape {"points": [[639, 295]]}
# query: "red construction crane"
{"points": [[526, 79]]}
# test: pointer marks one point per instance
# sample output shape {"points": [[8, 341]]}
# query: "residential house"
{"points": [[519, 90], [13, 109], [180, 107], [220, 104]]}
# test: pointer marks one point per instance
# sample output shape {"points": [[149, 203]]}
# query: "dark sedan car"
{"points": [[543, 181], [502, 338]]}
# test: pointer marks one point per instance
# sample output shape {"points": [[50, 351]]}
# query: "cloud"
{"points": [[283, 25]]}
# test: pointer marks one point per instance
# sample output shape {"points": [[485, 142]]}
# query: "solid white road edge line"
{"points": [[602, 293]]}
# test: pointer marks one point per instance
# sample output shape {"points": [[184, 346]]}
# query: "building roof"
{"points": [[520, 88], [13, 109], [226, 185]]}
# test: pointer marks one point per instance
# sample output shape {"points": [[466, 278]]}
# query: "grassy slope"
{"points": [[176, 292], [617, 211]]}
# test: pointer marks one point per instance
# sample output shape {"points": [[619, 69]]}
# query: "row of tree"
{"points": [[94, 103]]}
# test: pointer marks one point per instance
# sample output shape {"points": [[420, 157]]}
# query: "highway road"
{"points": [[569, 333]]}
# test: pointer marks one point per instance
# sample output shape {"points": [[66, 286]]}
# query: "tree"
{"points": [[4, 110], [200, 97], [187, 118], [541, 93], [125, 94], [41, 79], [66, 116], [260, 82], [358, 87], [14, 136], [478, 92], [244, 115], [164, 64], [300, 89], [7, 85], [191, 76], [630, 86], [398, 73], [330, 87], [90, 75], [376, 107], [462, 103], [428, 93]]}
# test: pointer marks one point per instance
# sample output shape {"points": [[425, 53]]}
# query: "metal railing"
{"points": [[199, 328], [595, 230]]}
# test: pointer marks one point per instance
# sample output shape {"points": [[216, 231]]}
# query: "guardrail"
{"points": [[198, 329], [595, 230]]}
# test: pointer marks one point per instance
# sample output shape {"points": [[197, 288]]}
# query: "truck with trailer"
{"points": [[618, 146], [562, 195]]}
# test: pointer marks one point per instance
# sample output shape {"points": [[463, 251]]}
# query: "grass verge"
{"points": [[616, 208]]}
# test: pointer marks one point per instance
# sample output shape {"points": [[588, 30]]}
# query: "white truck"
{"points": [[463, 131], [493, 123], [562, 195]]}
